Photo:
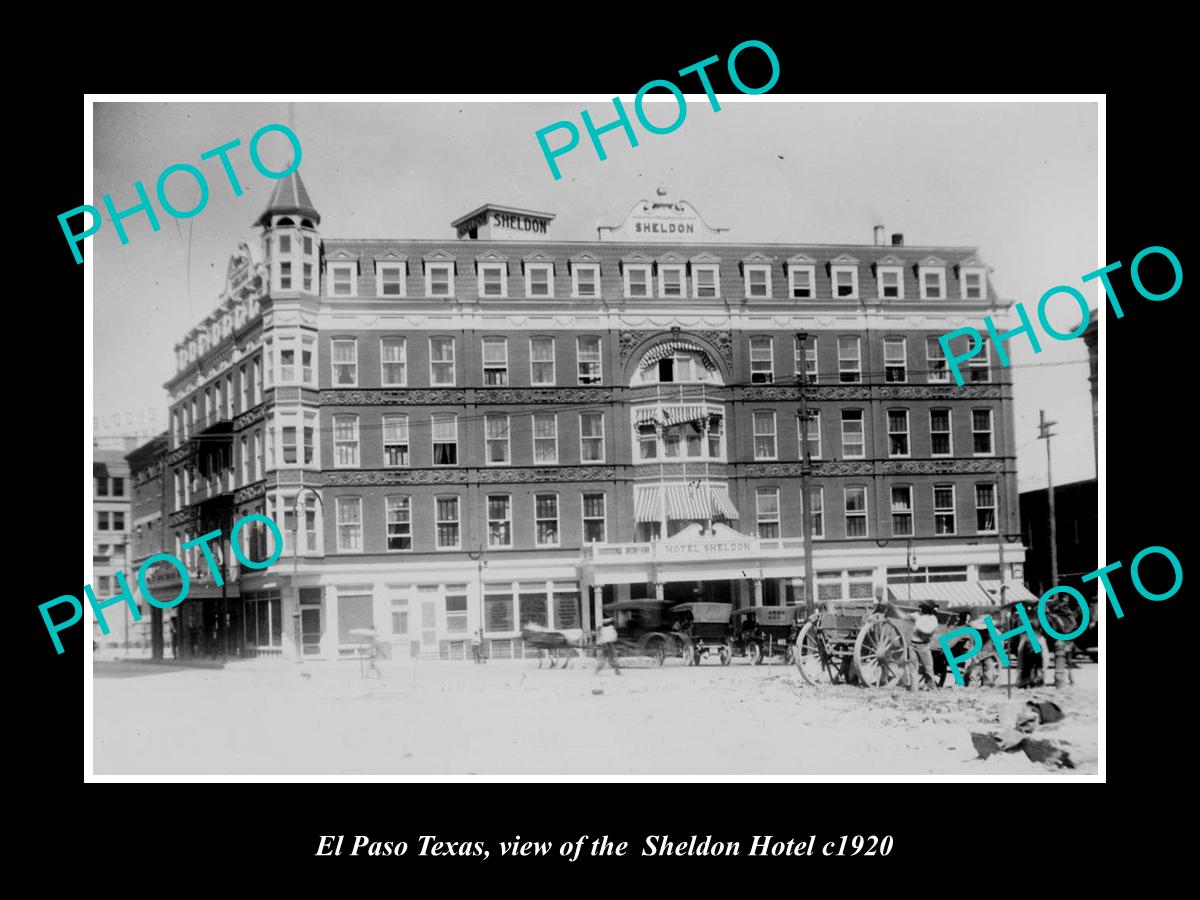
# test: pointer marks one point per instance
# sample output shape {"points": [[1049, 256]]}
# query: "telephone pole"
{"points": [[810, 576], [1060, 647]]}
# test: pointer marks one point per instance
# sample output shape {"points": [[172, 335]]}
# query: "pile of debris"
{"points": [[1024, 720]]}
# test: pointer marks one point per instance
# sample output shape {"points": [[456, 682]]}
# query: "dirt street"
{"points": [[511, 718]]}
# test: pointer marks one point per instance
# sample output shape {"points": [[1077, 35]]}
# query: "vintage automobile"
{"points": [[644, 628], [703, 628], [764, 632]]}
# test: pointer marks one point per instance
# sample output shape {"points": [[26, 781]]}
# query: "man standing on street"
{"points": [[477, 646], [925, 623], [606, 650]]}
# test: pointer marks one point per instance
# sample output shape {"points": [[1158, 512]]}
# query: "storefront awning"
{"points": [[1016, 593], [946, 594], [646, 506]]}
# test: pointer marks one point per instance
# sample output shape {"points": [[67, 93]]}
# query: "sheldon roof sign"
{"points": [[662, 220], [502, 223]]}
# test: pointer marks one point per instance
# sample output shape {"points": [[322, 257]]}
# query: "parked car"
{"points": [[704, 628], [764, 632]]}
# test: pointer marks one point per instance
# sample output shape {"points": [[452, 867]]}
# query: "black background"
{"points": [[948, 836]]}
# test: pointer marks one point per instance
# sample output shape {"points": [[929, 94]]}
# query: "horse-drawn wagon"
{"points": [[644, 628], [868, 642], [554, 644]]}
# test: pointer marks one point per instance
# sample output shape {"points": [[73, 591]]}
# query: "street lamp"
{"points": [[480, 560], [296, 562]]}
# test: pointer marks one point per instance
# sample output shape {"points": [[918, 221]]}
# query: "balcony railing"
{"points": [[697, 548]]}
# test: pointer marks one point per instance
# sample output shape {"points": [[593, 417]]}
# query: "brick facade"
{"points": [[284, 389]]}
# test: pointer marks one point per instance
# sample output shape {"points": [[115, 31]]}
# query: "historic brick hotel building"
{"points": [[498, 427]]}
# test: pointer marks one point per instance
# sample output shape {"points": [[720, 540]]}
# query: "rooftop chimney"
{"points": [[878, 235], [897, 240]]}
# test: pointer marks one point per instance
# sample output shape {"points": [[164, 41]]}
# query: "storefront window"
{"points": [[497, 608]]}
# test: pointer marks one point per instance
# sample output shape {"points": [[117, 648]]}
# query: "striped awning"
{"points": [[684, 502], [669, 348], [722, 506], [947, 594], [647, 416], [646, 505], [675, 414], [1016, 593]]}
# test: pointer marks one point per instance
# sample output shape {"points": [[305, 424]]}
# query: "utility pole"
{"points": [[297, 512], [1001, 522], [1060, 647], [810, 576]]}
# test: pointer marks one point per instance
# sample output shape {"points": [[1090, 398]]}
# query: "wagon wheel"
{"points": [[725, 651], [816, 664], [754, 653], [880, 653]]}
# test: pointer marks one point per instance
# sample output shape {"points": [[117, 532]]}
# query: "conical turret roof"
{"points": [[290, 198]]}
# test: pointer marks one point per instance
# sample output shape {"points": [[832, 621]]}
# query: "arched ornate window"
{"points": [[677, 362]]}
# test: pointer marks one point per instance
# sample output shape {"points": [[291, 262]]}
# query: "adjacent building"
{"points": [[499, 427], [148, 534], [1077, 532], [110, 539]]}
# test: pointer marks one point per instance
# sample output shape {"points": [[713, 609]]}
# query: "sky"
{"points": [[1017, 180]]}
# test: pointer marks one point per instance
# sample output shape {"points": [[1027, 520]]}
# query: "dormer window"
{"points": [[971, 282], [891, 282], [802, 282], [705, 281], [932, 275], [671, 280], [439, 281], [343, 278], [585, 280], [637, 279], [845, 282], [389, 278], [493, 280], [758, 280], [539, 280]]}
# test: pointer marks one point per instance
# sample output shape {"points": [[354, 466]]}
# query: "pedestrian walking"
{"points": [[606, 647], [477, 646]]}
